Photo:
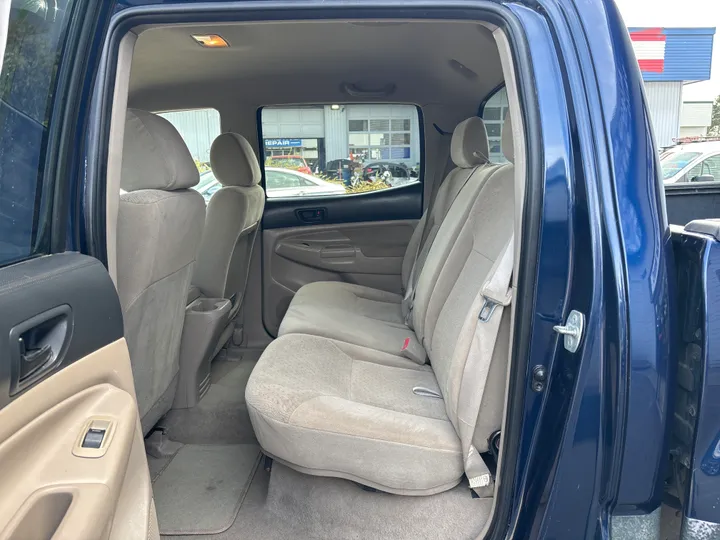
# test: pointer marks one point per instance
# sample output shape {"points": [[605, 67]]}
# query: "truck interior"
{"points": [[300, 364], [329, 364]]}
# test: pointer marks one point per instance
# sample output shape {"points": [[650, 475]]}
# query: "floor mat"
{"points": [[200, 491]]}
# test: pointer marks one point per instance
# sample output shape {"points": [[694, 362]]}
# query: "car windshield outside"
{"points": [[675, 162]]}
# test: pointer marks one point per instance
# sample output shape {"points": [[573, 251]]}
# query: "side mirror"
{"points": [[703, 178]]}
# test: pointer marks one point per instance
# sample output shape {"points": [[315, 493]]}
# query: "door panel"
{"points": [[53, 486], [369, 254], [400, 203]]}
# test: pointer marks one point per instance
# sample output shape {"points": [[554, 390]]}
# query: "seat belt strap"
{"points": [[409, 297], [486, 315]]}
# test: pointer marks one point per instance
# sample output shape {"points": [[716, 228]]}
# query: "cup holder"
{"points": [[205, 320], [204, 305]]}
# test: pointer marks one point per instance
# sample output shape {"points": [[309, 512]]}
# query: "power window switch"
{"points": [[94, 438]]}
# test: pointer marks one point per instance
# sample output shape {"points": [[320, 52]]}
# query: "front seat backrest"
{"points": [[160, 222], [233, 215]]}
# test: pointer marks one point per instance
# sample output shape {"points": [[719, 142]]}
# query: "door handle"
{"points": [[36, 356], [311, 215], [39, 344]]}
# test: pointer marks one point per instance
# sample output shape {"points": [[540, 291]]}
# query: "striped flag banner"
{"points": [[649, 47]]}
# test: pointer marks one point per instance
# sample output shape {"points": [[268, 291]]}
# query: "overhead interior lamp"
{"points": [[335, 107], [211, 41]]}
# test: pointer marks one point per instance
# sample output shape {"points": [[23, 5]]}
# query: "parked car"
{"points": [[691, 162], [296, 163], [288, 183], [395, 174], [279, 183]]}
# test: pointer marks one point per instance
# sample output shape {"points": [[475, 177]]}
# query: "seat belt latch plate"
{"points": [[487, 310]]}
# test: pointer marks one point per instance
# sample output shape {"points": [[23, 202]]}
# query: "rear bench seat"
{"points": [[375, 318], [335, 407]]}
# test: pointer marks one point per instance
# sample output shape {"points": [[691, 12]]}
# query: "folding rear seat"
{"points": [[380, 319], [332, 408]]}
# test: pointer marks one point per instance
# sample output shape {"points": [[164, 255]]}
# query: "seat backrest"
{"points": [[485, 230], [469, 149], [233, 216], [160, 223]]}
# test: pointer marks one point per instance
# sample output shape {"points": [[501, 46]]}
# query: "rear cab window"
{"points": [[333, 150]]}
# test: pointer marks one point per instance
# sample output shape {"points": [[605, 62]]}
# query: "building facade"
{"points": [[695, 119], [669, 59]]}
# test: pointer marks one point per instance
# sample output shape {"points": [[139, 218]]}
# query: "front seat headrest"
{"points": [[469, 147], [233, 161], [155, 155]]}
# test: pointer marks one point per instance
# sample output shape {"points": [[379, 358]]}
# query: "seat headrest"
{"points": [[155, 155], [469, 147], [508, 146], [233, 161]]}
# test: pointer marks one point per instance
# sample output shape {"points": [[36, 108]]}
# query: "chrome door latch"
{"points": [[573, 330]]}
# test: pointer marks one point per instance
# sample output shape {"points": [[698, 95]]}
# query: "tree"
{"points": [[714, 129]]}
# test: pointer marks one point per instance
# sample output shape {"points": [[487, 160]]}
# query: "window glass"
{"points": [[36, 35], [709, 167], [198, 128], [674, 162], [493, 115], [340, 149]]}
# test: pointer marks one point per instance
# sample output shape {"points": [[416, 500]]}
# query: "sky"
{"points": [[677, 13]]}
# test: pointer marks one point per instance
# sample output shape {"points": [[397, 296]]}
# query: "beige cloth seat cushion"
{"points": [[330, 408], [350, 313]]}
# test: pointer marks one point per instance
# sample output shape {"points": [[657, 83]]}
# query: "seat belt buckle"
{"points": [[412, 350]]}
